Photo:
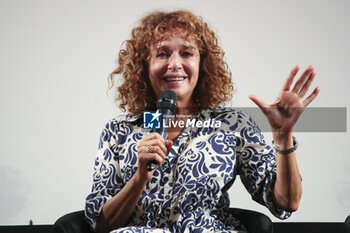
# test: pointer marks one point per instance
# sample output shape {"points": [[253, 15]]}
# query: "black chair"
{"points": [[253, 221], [346, 226], [72, 223]]}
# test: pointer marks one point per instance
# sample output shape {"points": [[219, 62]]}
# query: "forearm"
{"points": [[288, 187], [117, 211]]}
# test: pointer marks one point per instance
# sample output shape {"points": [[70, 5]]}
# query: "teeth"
{"points": [[169, 79]]}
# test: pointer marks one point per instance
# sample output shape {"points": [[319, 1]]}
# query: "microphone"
{"points": [[166, 105]]}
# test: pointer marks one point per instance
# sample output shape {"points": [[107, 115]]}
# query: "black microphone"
{"points": [[166, 105]]}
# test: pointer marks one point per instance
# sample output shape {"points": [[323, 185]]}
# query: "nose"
{"points": [[175, 62]]}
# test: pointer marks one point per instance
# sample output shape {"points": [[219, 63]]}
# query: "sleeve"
{"points": [[107, 180], [257, 166]]}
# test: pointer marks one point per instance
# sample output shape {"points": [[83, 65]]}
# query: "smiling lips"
{"points": [[174, 79]]}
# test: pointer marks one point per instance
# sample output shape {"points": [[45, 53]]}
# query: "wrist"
{"points": [[283, 141], [288, 150], [139, 180]]}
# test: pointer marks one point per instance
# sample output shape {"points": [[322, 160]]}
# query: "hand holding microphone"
{"points": [[166, 105], [151, 148]]}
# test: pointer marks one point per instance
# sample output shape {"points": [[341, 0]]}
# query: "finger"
{"points": [[311, 97], [302, 79], [153, 149], [169, 144], [146, 158], [258, 101], [149, 140], [289, 80], [155, 143], [307, 84], [155, 136], [152, 136]]}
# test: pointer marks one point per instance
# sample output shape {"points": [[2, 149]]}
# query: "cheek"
{"points": [[156, 69], [193, 66]]}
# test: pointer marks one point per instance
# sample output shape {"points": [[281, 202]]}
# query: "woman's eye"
{"points": [[187, 54], [161, 54]]}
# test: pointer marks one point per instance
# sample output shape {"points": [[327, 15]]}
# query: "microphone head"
{"points": [[167, 100]]}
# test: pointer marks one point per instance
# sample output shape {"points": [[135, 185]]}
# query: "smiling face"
{"points": [[174, 65]]}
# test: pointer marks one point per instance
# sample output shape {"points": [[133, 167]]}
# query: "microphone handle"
{"points": [[163, 131]]}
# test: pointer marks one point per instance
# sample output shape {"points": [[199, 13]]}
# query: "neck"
{"points": [[186, 107]]}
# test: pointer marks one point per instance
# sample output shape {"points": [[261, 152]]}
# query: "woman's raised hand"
{"points": [[290, 103], [151, 148]]}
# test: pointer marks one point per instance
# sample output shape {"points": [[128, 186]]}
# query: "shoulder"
{"points": [[232, 120], [119, 128], [226, 115], [123, 124], [122, 121]]}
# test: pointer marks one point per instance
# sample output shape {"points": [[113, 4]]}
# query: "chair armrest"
{"points": [[72, 223], [253, 221], [346, 226]]}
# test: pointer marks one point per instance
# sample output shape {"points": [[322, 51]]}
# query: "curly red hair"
{"points": [[136, 94]]}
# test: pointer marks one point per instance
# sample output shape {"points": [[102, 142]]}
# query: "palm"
{"points": [[289, 105]]}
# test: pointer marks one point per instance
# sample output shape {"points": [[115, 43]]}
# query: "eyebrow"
{"points": [[189, 46], [165, 47]]}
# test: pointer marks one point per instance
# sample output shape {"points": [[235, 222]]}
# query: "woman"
{"points": [[196, 165]]}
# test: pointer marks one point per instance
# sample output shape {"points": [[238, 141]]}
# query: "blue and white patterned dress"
{"points": [[188, 193]]}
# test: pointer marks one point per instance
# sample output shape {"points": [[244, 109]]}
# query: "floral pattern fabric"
{"points": [[188, 193]]}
